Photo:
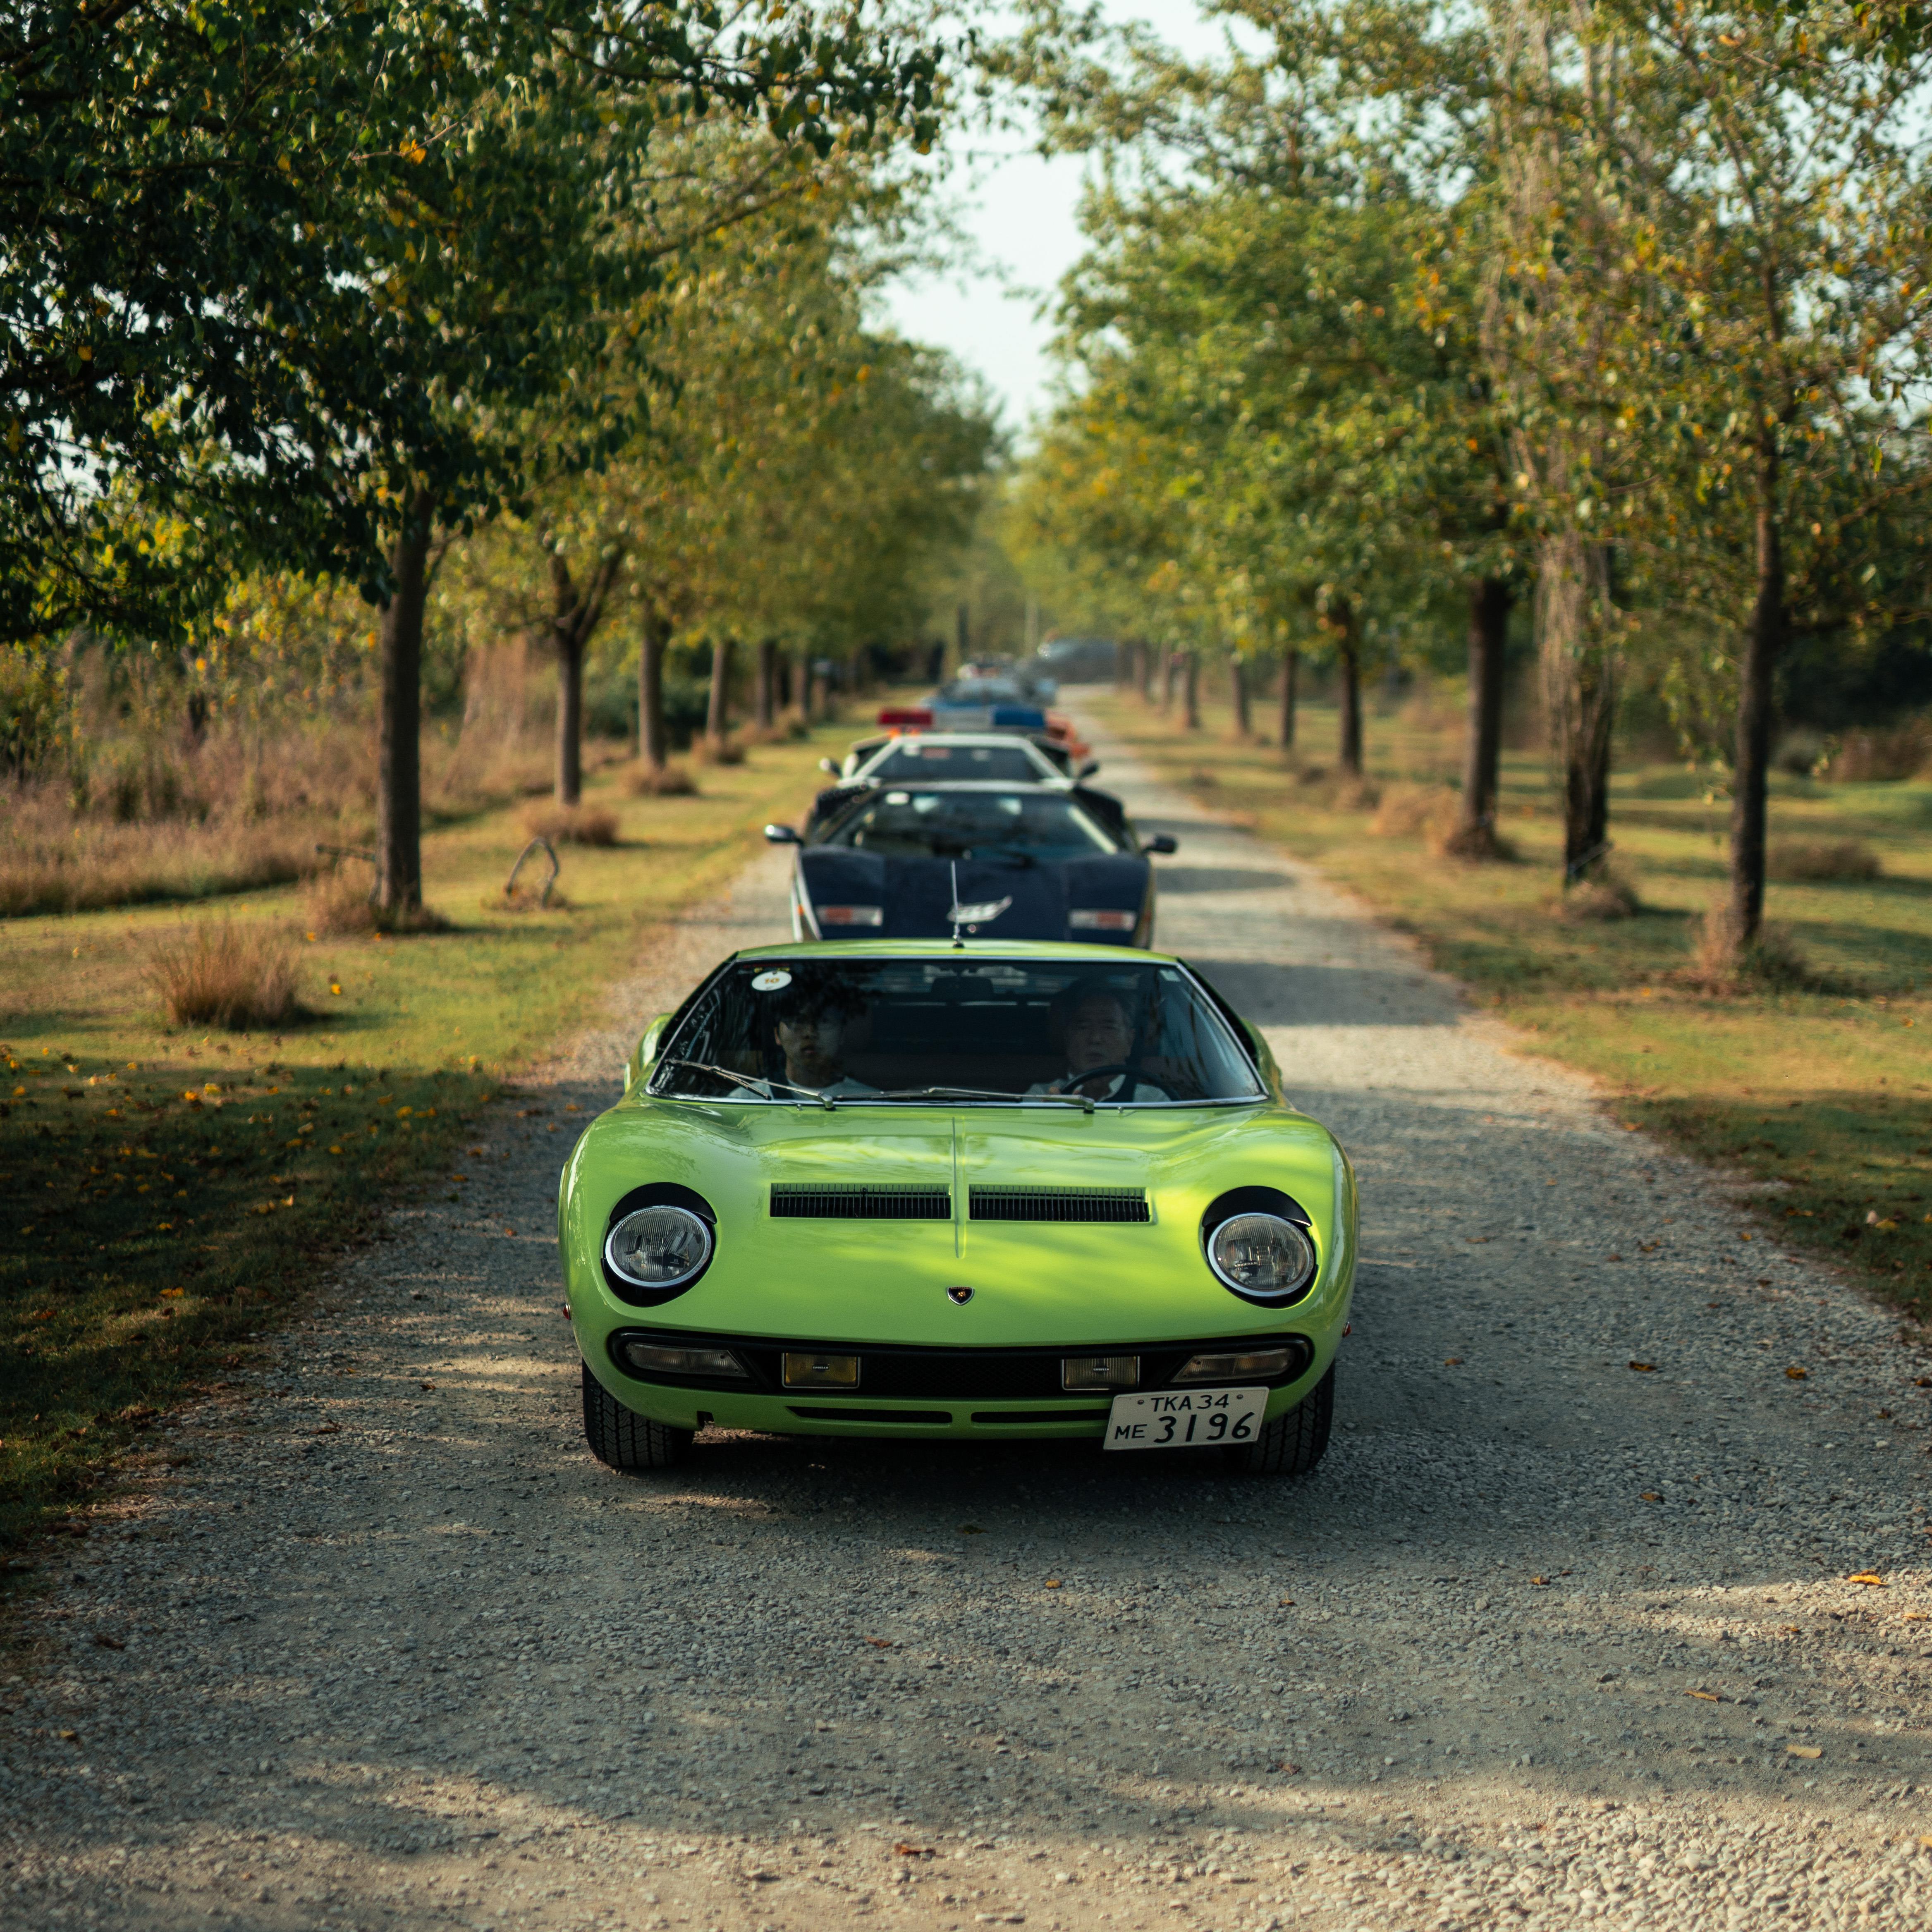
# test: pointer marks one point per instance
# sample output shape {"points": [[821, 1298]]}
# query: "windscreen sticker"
{"points": [[769, 982]]}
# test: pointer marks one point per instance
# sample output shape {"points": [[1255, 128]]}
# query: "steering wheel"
{"points": [[1139, 1074]]}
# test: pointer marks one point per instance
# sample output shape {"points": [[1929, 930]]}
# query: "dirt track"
{"points": [[1547, 1640]]}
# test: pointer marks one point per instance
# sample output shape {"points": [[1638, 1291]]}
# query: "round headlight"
{"points": [[1261, 1255], [658, 1247]]}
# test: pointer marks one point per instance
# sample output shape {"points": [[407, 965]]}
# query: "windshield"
{"points": [[1024, 827], [980, 691], [1054, 1033], [913, 760]]}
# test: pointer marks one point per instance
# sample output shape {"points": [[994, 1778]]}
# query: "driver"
{"points": [[1099, 1028], [811, 1034]]}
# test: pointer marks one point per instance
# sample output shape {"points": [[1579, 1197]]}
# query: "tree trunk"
{"points": [[1348, 659], [1290, 677], [1490, 601], [1238, 693], [963, 633], [1144, 669], [1170, 663], [717, 717], [768, 682], [786, 683], [1191, 690], [653, 743], [399, 730], [1769, 630], [1575, 618], [569, 717]]}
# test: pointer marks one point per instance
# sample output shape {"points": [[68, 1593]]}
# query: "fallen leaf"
{"points": [[1871, 1579], [1803, 1751], [1286, 1603], [880, 1642], [1708, 1696], [970, 1529], [1287, 1769], [1795, 1374], [1452, 1361], [1053, 1582], [1616, 1258], [330, 1429], [107, 1642], [1536, 1582], [903, 1850], [1914, 1617], [1642, 1368], [72, 1737], [1651, 1496], [427, 1386], [172, 1294]]}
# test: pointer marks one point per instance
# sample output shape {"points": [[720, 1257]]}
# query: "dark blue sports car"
{"points": [[1004, 861]]}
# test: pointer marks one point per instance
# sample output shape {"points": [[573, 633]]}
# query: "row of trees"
{"points": [[1620, 311], [293, 287]]}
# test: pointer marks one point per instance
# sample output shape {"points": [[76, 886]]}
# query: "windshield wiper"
{"points": [[763, 1088], [1080, 1100]]}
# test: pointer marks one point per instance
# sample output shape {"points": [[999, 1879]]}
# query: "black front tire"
{"points": [[1292, 1444], [625, 1440]]}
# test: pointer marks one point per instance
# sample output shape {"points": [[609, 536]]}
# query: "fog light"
{"points": [[809, 1372], [1260, 1365], [648, 1358], [1100, 1372]]}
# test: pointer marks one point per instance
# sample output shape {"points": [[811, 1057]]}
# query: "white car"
{"points": [[912, 757]]}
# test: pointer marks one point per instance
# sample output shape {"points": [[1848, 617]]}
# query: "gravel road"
{"points": [[1550, 1638]]}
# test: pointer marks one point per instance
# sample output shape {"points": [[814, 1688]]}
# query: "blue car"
{"points": [[1003, 861]]}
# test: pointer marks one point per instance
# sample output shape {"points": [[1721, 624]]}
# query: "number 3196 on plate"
{"points": [[1197, 1419]]}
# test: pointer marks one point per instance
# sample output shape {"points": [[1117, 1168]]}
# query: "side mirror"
{"points": [[781, 835], [1088, 770], [646, 1050], [826, 766], [1162, 843]]}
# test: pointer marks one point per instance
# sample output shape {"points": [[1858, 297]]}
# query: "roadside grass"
{"points": [[172, 1192], [1821, 1096]]}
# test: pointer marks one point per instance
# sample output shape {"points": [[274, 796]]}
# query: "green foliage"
{"points": [[33, 711], [313, 305]]}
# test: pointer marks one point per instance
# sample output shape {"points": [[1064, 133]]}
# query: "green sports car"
{"points": [[982, 1189]]}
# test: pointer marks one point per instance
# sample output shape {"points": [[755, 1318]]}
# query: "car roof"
{"points": [[913, 735], [946, 949], [1045, 788]]}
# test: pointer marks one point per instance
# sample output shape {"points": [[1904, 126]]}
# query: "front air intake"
{"points": [[856, 1200], [1059, 1204]]}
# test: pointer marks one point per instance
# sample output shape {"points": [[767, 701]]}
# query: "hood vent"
{"points": [[858, 1201], [1059, 1204]]}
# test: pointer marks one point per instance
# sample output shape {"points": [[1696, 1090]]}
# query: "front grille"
{"points": [[947, 1375], [938, 1416], [984, 1416], [856, 1200], [1059, 1204]]}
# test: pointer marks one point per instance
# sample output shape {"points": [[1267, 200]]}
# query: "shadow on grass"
{"points": [[134, 1265]]}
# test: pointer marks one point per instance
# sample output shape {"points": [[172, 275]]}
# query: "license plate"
{"points": [[1193, 1419]]}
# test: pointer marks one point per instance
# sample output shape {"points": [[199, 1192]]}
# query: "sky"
{"points": [[1018, 212]]}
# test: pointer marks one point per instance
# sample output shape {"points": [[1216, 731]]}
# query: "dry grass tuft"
{"points": [[1474, 844], [1816, 859], [663, 782], [1608, 893], [1407, 809], [572, 824], [338, 902], [1897, 751], [218, 974], [1770, 963], [721, 752]]}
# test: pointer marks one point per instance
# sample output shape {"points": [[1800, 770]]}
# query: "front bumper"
{"points": [[989, 1393]]}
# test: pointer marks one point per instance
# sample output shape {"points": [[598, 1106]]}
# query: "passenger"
{"points": [[811, 1035], [1098, 1027]]}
